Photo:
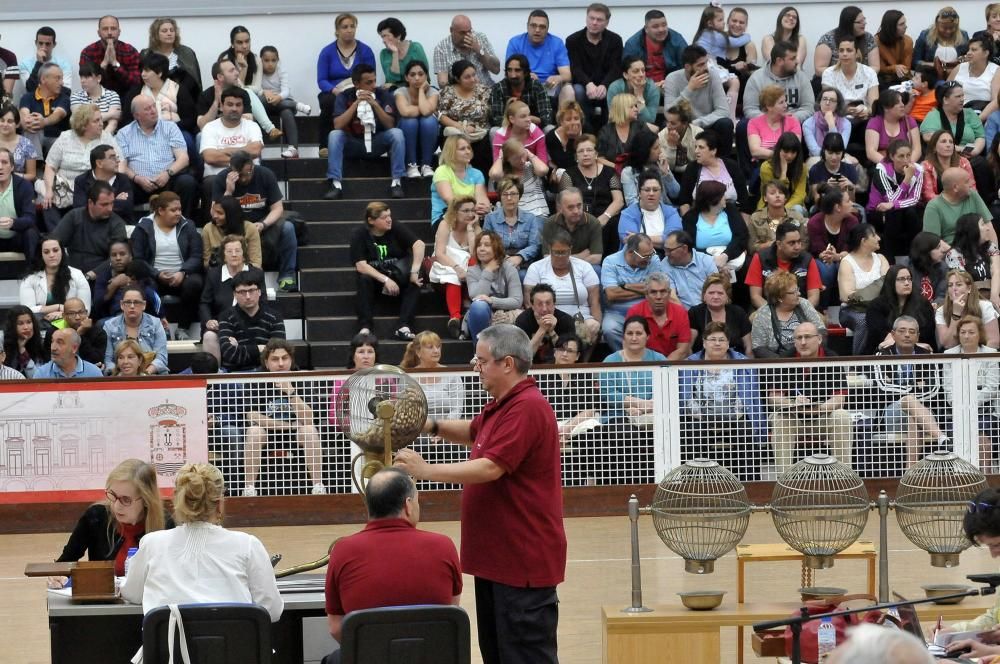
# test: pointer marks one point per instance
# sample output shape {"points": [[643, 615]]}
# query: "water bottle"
{"points": [[826, 638], [128, 557]]}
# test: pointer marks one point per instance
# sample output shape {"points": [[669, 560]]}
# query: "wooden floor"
{"points": [[598, 573]]}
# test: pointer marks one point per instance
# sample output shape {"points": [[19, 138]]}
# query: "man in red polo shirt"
{"points": [[513, 541], [357, 578], [786, 254], [669, 328]]}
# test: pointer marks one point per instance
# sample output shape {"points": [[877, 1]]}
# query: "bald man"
{"points": [[65, 362], [957, 197], [465, 44], [93, 339]]}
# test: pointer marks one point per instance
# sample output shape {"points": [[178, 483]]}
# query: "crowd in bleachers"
{"points": [[603, 189]]}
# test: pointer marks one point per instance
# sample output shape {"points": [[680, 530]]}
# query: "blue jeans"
{"points": [[286, 248], [478, 318], [342, 144], [421, 131], [857, 322], [613, 327]]}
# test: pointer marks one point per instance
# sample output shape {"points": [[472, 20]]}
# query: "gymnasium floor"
{"points": [[597, 574]]}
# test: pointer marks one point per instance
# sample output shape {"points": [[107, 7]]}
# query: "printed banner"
{"points": [[59, 441]]}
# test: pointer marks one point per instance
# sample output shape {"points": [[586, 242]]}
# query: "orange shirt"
{"points": [[922, 105]]}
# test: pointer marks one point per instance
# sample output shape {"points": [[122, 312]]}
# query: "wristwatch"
{"points": [[170, 172]]}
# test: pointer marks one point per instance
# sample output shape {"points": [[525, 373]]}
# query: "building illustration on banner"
{"points": [[57, 441]]}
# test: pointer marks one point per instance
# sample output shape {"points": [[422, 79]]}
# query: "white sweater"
{"points": [[34, 289]]}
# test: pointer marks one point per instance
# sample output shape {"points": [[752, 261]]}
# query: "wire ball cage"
{"points": [[931, 502], [701, 512], [372, 399], [819, 508]]}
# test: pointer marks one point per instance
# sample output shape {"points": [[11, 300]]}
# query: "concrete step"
{"points": [[339, 232], [287, 169], [374, 188], [343, 327], [334, 354], [341, 303], [354, 209]]}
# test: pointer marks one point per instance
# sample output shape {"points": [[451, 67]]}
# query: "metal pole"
{"points": [[633, 517], [883, 546]]}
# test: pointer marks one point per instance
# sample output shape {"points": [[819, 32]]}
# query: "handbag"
{"points": [[579, 322], [861, 298], [62, 192]]}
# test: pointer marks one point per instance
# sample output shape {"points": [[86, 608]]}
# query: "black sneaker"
{"points": [[455, 327], [333, 193], [396, 190], [288, 286], [405, 334]]}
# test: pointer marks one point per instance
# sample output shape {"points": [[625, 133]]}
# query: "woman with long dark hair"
{"points": [[851, 25], [890, 122], [786, 29], [227, 218], [941, 154], [22, 341], [964, 124], [861, 272], [975, 250], [894, 197], [647, 154], [785, 165], [50, 281], [928, 267], [895, 49], [241, 55]]}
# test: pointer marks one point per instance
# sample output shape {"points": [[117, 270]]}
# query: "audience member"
{"points": [[93, 93], [972, 341], [851, 26], [174, 102], [992, 31], [22, 341], [775, 323], [335, 68], [647, 154], [463, 43], [417, 104], [246, 327], [897, 184], [515, 161], [130, 361], [712, 37], [700, 86], [517, 124], [941, 155], [86, 233], [117, 60], [112, 279], [870, 644], [740, 60], [809, 401], [17, 208], [765, 221], [856, 82], [574, 284], [658, 45], [764, 130], [455, 176], [104, 166], [627, 395], [677, 138], [957, 197], [623, 279], [927, 262], [454, 242], [464, 111], [45, 112], [570, 393], [889, 123], [975, 251], [835, 168], [519, 84], [788, 29], [716, 227], [543, 323], [24, 155], [942, 44], [50, 281], [860, 281], [493, 285], [398, 52], [165, 39], [546, 53], [785, 254], [154, 156], [634, 81], [649, 215], [923, 96], [168, 569], [979, 77], [669, 331], [964, 125], [716, 307], [560, 143], [962, 299], [595, 56], [223, 137], [614, 139], [45, 43], [519, 231], [895, 49], [276, 93], [65, 362], [445, 392], [93, 340], [599, 185], [135, 323], [829, 230], [225, 76], [390, 255], [226, 217], [218, 295], [353, 579], [830, 118], [584, 229], [783, 71], [708, 166], [785, 164], [256, 189]]}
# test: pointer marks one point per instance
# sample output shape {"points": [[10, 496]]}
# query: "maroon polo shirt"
{"points": [[512, 527], [676, 330], [391, 563]]}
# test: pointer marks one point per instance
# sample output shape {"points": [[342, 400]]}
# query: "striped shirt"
{"points": [[249, 332], [108, 100], [9, 64], [149, 155]]}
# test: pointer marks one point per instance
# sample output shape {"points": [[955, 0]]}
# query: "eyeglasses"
{"points": [[716, 340], [510, 193], [979, 508], [651, 190], [516, 70], [133, 303], [804, 337], [246, 291], [904, 279], [644, 257], [126, 501], [670, 250], [74, 312], [560, 253], [795, 292]]}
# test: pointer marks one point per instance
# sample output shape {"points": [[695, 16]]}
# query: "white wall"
{"points": [[299, 37]]}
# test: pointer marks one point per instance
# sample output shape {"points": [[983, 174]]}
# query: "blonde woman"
{"points": [[623, 125], [962, 299], [171, 565], [130, 360], [131, 510], [453, 242], [517, 124], [518, 163], [445, 392], [456, 176]]}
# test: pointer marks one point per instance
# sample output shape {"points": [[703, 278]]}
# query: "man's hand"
{"points": [[233, 342], [212, 325], [412, 463], [471, 43], [553, 81], [110, 57], [285, 387], [547, 322], [591, 90], [698, 81], [85, 325], [161, 180], [6, 223], [146, 184], [176, 279], [390, 287]]}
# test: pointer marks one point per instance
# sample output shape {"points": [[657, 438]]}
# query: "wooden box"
{"points": [[93, 581], [770, 643]]}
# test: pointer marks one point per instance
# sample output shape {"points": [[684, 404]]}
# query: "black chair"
{"points": [[216, 634], [420, 634]]}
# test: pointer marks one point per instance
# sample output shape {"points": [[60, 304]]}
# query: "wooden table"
{"points": [[761, 553], [672, 634]]}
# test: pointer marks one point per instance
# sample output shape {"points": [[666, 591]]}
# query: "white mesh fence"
{"points": [[631, 424]]}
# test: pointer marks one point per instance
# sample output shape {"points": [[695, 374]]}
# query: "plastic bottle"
{"points": [[826, 638], [128, 557]]}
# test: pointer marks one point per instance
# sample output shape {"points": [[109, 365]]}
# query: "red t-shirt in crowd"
{"points": [[512, 527], [676, 330], [656, 68], [756, 278], [391, 563]]}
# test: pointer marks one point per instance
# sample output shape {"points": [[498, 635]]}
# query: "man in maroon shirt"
{"points": [[356, 576], [669, 329], [513, 541], [117, 60]]}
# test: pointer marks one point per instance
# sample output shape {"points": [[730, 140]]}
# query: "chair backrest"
{"points": [[216, 634], [423, 634]]}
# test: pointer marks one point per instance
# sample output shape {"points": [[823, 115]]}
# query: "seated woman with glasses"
{"points": [[108, 529], [135, 323], [570, 393], [771, 334], [649, 214]]}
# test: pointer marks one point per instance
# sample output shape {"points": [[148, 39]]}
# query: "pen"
{"points": [[937, 627]]}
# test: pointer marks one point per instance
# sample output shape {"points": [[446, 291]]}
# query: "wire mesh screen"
{"points": [[982, 411], [878, 416]]}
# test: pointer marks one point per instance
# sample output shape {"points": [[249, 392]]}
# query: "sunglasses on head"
{"points": [[948, 15]]}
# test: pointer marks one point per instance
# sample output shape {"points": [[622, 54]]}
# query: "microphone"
{"points": [[993, 580]]}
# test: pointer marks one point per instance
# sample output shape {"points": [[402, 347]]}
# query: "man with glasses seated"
{"points": [[135, 323], [686, 267], [104, 166], [807, 401], [623, 279], [93, 338], [245, 328]]}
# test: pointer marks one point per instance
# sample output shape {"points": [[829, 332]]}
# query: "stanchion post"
{"points": [[633, 517], [883, 546]]}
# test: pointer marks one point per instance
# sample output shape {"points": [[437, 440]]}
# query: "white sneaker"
{"points": [[181, 334], [318, 489], [426, 171], [412, 171], [304, 109], [291, 153], [249, 491]]}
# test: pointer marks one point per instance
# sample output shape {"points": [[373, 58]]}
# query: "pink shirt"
{"points": [[535, 143], [768, 138]]}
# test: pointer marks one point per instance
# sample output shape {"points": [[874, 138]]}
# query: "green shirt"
{"points": [[651, 94], [415, 52], [940, 216], [8, 209], [973, 127]]}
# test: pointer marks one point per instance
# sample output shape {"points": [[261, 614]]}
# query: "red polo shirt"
{"points": [[676, 330], [391, 563], [512, 527]]}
